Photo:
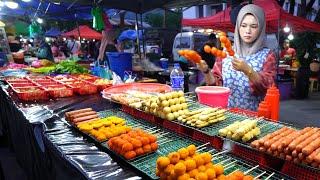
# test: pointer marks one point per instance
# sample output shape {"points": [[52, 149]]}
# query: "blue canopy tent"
{"points": [[129, 35], [53, 32], [49, 10]]}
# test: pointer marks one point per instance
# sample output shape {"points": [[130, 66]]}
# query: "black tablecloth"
{"points": [[47, 147]]}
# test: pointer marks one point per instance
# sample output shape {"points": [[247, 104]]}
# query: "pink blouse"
{"points": [[258, 87]]}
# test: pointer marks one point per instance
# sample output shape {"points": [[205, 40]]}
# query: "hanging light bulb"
{"points": [[286, 29], [11, 4], [290, 36], [40, 20]]}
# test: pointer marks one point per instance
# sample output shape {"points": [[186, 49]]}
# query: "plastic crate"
{"points": [[271, 161], [159, 121], [171, 126], [186, 131], [214, 141], [300, 172], [247, 153]]}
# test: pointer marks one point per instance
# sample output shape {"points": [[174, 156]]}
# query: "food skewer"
{"points": [[255, 167], [270, 176], [260, 175]]}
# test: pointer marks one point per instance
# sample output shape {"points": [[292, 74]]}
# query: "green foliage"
{"points": [[306, 42], [173, 20], [155, 20], [70, 66]]}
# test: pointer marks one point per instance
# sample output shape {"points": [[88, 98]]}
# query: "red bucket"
{"points": [[215, 96]]}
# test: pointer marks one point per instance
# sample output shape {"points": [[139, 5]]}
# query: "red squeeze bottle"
{"points": [[273, 98], [264, 109]]}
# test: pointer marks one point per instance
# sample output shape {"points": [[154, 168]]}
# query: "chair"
{"points": [[314, 80]]}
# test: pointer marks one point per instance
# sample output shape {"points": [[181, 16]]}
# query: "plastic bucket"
{"points": [[215, 96], [164, 63], [120, 62]]}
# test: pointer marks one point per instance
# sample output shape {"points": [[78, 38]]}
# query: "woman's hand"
{"points": [[240, 65], [202, 66]]}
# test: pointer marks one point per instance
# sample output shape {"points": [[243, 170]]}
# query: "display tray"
{"points": [[58, 90], [31, 93], [169, 141], [83, 88], [100, 87], [142, 87]]}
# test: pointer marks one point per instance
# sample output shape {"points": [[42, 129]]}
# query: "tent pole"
{"points": [[137, 31], [143, 38], [278, 50]]}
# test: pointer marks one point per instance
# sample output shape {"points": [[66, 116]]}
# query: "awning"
{"points": [[273, 13], [83, 31]]}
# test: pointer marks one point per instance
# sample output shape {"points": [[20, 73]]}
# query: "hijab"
{"points": [[244, 49]]}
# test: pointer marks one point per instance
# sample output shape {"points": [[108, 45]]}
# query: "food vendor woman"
{"points": [[252, 70]]}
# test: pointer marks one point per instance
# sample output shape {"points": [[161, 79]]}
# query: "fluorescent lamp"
{"points": [[11, 4], [26, 0], [290, 36]]}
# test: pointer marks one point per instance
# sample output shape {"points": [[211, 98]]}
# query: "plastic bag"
{"points": [[116, 79], [129, 77]]}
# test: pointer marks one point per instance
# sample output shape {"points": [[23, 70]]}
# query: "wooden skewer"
{"points": [[229, 167], [245, 173], [233, 162], [269, 176], [164, 142], [260, 175], [203, 145], [211, 151], [221, 162], [161, 135], [234, 171], [215, 158], [155, 131], [201, 149], [225, 151]]}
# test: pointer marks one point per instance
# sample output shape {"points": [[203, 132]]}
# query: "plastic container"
{"points": [[120, 62], [164, 63], [83, 88], [31, 93], [264, 109], [214, 96], [273, 98], [56, 91], [177, 78]]}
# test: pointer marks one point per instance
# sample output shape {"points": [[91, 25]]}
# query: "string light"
{"points": [[11, 4], [290, 36], [286, 29]]}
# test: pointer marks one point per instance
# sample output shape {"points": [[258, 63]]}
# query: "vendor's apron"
{"points": [[238, 82]]}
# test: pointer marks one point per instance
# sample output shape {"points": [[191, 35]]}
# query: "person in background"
{"points": [[44, 50], [253, 68], [56, 52], [73, 45], [212, 42], [287, 54], [14, 43]]}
